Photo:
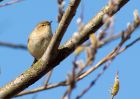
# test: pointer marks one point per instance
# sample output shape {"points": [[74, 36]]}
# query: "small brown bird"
{"points": [[39, 39]]}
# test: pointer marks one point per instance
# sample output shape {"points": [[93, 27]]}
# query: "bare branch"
{"points": [[60, 9], [10, 3], [91, 27], [63, 83], [62, 27], [49, 74], [11, 45], [113, 54], [71, 81], [40, 68], [109, 39], [130, 44], [94, 81]]}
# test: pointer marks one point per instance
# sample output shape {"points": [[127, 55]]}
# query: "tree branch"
{"points": [[114, 53], [63, 83], [91, 27], [11, 45], [39, 69], [52, 49], [10, 3]]}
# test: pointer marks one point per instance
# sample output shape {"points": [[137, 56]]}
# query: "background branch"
{"points": [[10, 3], [113, 54], [11, 45]]}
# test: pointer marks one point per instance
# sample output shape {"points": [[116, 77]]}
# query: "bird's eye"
{"points": [[43, 25]]}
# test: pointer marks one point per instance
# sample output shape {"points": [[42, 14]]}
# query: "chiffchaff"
{"points": [[39, 39]]}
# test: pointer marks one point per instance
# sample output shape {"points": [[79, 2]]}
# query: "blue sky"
{"points": [[18, 20]]}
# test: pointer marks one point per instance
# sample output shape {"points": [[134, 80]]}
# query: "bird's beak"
{"points": [[50, 22]]}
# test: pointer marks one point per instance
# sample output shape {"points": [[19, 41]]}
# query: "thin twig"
{"points": [[94, 81], [10, 3], [129, 45], [60, 9], [63, 83], [71, 81], [109, 39], [112, 55], [11, 45], [49, 74]]}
